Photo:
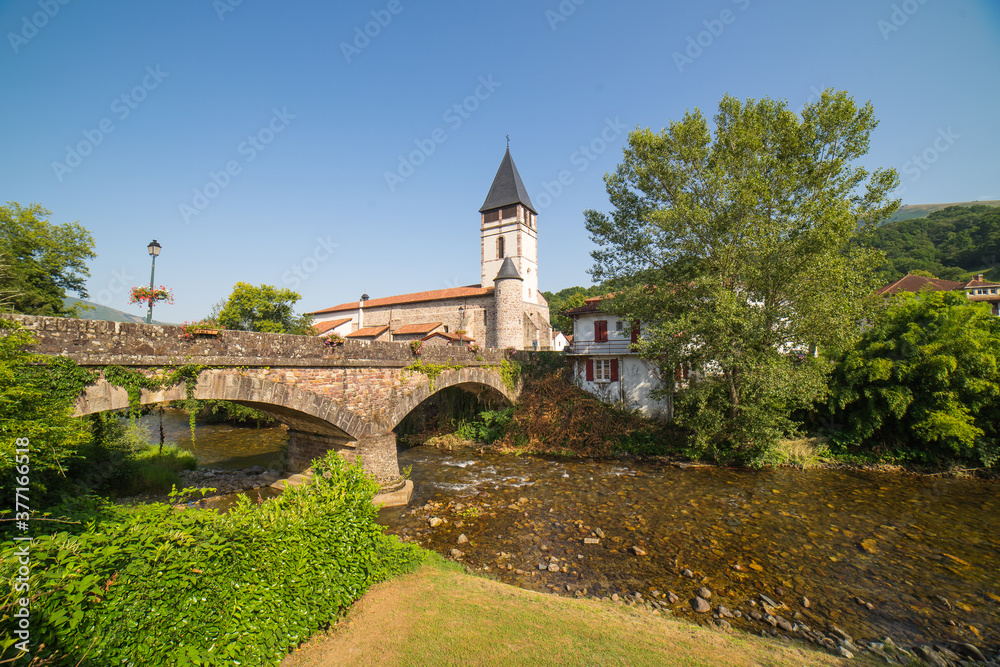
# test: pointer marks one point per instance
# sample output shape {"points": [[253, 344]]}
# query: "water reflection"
{"points": [[220, 445]]}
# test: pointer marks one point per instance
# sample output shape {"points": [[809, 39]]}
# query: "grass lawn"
{"points": [[441, 616]]}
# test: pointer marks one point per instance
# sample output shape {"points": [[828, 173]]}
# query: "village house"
{"points": [[976, 289], [605, 364], [504, 310]]}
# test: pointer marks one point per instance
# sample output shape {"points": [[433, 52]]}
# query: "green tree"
{"points": [[265, 308], [37, 396], [43, 261], [567, 299], [738, 250], [924, 380]]}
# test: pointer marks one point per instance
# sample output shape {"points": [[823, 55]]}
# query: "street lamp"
{"points": [[154, 250]]}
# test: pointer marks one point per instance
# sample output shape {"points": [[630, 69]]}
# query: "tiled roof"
{"points": [[433, 295], [507, 187], [449, 336], [367, 332], [912, 283], [417, 328], [591, 305], [322, 327], [980, 283]]}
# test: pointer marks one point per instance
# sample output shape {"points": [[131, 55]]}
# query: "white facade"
{"points": [[606, 366]]}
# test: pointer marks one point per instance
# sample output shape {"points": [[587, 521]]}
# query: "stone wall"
{"points": [[98, 343]]}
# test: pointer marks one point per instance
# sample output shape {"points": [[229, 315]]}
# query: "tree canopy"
{"points": [[924, 380], [567, 299], [41, 261], [740, 253], [265, 308]]}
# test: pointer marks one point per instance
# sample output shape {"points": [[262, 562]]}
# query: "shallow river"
{"points": [[922, 552]]}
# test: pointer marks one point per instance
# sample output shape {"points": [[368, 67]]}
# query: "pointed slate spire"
{"points": [[508, 270], [507, 188]]}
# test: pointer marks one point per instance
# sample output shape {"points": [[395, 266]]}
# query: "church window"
{"points": [[500, 248], [492, 216], [509, 212]]}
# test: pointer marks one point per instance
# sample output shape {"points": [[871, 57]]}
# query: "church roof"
{"points": [[507, 187], [416, 297], [508, 270]]}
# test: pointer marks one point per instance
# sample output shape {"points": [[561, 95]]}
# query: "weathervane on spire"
{"points": [[508, 140]]}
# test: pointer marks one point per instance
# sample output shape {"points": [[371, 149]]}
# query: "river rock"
{"points": [[591, 540], [805, 602], [672, 597], [614, 597], [970, 651], [840, 634], [930, 656], [844, 653], [462, 539], [554, 567], [723, 612], [723, 625], [456, 554], [599, 532], [700, 605], [704, 593], [639, 551], [768, 601], [434, 522], [687, 573], [756, 615]]}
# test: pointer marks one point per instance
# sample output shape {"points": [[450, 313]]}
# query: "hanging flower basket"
{"points": [[146, 295]]}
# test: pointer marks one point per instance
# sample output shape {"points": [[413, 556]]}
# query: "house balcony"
{"points": [[594, 348]]}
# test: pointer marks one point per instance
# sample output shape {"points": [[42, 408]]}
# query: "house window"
{"points": [[993, 290], [500, 248], [602, 370], [446, 328]]}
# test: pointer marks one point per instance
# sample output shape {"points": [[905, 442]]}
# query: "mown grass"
{"points": [[442, 616]]}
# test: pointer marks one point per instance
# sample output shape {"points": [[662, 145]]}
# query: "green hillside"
{"points": [[105, 313], [911, 211], [956, 243]]}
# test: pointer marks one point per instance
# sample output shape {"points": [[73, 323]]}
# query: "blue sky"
{"points": [[253, 139]]}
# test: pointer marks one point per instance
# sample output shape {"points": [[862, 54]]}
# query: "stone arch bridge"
{"points": [[346, 397]]}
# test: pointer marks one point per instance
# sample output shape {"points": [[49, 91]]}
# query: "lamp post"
{"points": [[154, 250]]}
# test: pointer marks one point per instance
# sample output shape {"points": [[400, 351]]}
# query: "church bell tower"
{"points": [[508, 230]]}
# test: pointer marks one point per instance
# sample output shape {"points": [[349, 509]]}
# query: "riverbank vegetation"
{"points": [[152, 585]]}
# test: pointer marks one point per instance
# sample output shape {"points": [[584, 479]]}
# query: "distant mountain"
{"points": [[106, 313], [910, 211]]}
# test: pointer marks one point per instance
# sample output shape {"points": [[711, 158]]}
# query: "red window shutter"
{"points": [[678, 375], [590, 370], [614, 370], [635, 331], [601, 331]]}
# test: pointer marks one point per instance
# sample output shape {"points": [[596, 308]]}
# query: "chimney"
{"points": [[979, 277], [361, 310]]}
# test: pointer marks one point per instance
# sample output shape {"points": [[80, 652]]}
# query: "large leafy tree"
{"points": [[924, 380], [737, 250], [42, 261], [265, 308]]}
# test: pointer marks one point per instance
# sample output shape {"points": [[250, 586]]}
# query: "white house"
{"points": [[605, 365], [560, 341]]}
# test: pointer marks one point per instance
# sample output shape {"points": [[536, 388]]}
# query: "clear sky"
{"points": [[253, 139]]}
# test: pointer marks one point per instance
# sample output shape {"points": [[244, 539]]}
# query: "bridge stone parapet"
{"points": [[345, 397]]}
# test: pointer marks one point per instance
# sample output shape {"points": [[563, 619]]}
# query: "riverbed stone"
{"points": [[462, 539], [456, 554], [724, 612], [704, 593], [672, 597], [700, 605], [434, 521], [639, 551], [687, 573], [805, 602]]}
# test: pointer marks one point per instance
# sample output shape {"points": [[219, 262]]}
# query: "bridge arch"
{"points": [[298, 408], [472, 379]]}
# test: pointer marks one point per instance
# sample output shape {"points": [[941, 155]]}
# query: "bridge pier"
{"points": [[377, 452]]}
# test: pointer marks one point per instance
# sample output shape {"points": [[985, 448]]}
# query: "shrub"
{"points": [[152, 585]]}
